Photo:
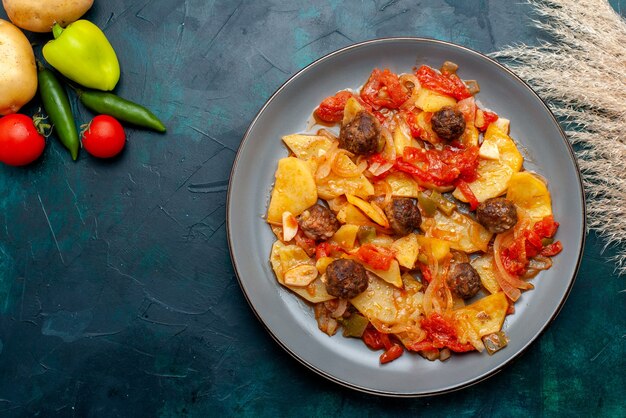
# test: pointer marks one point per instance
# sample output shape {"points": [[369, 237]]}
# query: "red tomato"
{"points": [[440, 167], [104, 137], [378, 258], [331, 108], [372, 338], [442, 334], [448, 84], [383, 89], [468, 193], [20, 141]]}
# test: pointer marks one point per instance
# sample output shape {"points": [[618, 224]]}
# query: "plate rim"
{"points": [[572, 156]]}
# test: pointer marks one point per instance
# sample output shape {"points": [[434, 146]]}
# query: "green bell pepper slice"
{"points": [[82, 53]]}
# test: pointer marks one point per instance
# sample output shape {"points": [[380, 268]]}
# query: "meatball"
{"points": [[345, 279], [318, 222], [448, 123], [497, 214], [361, 135], [464, 281], [403, 214]]}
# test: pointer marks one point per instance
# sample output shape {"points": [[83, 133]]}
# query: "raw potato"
{"points": [[18, 72], [39, 16], [294, 190], [494, 175]]}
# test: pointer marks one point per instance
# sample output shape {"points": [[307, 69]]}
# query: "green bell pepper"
{"points": [[82, 53]]}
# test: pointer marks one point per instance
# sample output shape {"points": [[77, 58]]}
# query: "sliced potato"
{"points": [[350, 214], [322, 263], [314, 292], [437, 247], [334, 186], [345, 236], [351, 109], [291, 256], [486, 315], [373, 212], [494, 175], [485, 268], [402, 137], [531, 194], [407, 250], [402, 184], [294, 189], [463, 232], [503, 124], [470, 136], [391, 275], [431, 101], [377, 303], [306, 147], [427, 133]]}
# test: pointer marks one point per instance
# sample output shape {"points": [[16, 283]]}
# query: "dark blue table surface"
{"points": [[117, 294]]}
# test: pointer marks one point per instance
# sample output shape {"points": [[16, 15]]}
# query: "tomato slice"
{"points": [[440, 334], [448, 84], [331, 108], [440, 167], [373, 338], [552, 249], [325, 249], [468, 193], [383, 89], [378, 258]]}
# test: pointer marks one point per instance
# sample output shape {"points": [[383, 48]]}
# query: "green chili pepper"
{"points": [[57, 106], [428, 204], [82, 53], [366, 234], [495, 342], [122, 109], [443, 204], [354, 325]]}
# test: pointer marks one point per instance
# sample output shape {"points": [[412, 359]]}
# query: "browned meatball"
{"points": [[361, 135], [464, 281], [497, 214], [345, 279], [448, 123], [318, 222], [403, 214]]}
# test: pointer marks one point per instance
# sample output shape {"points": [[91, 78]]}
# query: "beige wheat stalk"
{"points": [[582, 76]]}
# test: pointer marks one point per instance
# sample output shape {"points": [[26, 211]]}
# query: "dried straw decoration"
{"points": [[581, 73]]}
